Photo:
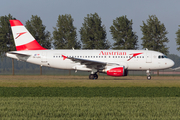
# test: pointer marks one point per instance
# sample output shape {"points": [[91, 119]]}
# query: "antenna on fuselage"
{"points": [[146, 49], [72, 48]]}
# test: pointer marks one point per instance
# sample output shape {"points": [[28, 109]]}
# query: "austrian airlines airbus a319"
{"points": [[112, 62]]}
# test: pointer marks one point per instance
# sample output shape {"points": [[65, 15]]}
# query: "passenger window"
{"points": [[109, 56], [104, 56]]}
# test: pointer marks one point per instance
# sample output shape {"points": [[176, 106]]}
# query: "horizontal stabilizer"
{"points": [[18, 55]]}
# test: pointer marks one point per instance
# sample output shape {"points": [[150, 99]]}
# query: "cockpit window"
{"points": [[162, 56]]}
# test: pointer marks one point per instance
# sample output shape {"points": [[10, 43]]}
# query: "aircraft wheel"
{"points": [[95, 76], [91, 76], [149, 77]]}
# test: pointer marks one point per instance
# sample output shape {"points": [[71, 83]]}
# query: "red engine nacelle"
{"points": [[119, 71], [116, 71]]}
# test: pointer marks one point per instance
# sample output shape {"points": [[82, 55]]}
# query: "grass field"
{"points": [[90, 92], [89, 108], [83, 81], [77, 97]]}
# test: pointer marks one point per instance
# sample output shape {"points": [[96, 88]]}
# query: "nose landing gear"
{"points": [[149, 77], [148, 74]]}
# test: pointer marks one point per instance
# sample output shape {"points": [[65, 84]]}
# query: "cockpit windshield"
{"points": [[162, 56]]}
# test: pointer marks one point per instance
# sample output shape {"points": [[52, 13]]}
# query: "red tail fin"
{"points": [[22, 38]]}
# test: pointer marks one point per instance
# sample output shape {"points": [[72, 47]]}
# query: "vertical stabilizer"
{"points": [[22, 37]]}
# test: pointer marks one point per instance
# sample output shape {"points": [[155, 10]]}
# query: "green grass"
{"points": [[77, 97], [89, 91], [89, 108], [84, 81]]}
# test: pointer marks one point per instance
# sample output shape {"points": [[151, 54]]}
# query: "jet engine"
{"points": [[116, 71]]}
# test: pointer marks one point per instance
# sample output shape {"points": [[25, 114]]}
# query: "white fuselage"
{"points": [[142, 60]]}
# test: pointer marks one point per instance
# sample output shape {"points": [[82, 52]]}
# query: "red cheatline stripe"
{"points": [[15, 23], [34, 45]]}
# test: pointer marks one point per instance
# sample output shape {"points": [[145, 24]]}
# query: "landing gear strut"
{"points": [[148, 74], [93, 76]]}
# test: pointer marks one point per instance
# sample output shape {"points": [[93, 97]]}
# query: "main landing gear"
{"points": [[148, 74], [93, 76]]}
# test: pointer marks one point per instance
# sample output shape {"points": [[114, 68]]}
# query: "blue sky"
{"points": [[167, 12]]}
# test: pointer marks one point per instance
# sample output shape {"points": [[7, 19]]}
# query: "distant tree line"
{"points": [[92, 34]]}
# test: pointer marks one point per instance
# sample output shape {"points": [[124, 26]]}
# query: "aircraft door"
{"points": [[44, 59], [148, 57]]}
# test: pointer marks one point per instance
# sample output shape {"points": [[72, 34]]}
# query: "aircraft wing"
{"points": [[174, 69], [90, 63]]}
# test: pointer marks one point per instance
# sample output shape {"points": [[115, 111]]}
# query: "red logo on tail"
{"points": [[19, 34]]}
